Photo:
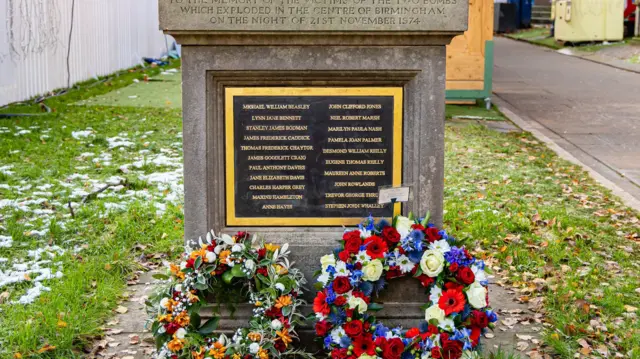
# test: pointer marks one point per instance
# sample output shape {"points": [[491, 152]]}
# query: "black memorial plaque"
{"points": [[311, 160]]}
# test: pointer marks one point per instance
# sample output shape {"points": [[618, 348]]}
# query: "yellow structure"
{"points": [[470, 56], [589, 20]]}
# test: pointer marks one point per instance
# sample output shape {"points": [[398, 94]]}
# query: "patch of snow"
{"points": [[5, 170], [33, 293], [117, 141], [22, 132], [77, 176], [82, 134], [6, 241]]}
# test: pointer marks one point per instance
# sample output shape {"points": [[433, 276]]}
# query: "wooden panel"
{"points": [[465, 54]]}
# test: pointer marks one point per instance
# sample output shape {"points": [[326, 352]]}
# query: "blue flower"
{"points": [[480, 264], [331, 295], [355, 277], [423, 326], [415, 256], [381, 330], [383, 223], [331, 269], [427, 344], [338, 316], [327, 342], [493, 317], [366, 288], [379, 284], [407, 355], [345, 342]]}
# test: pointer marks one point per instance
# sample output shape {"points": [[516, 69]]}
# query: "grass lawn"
{"points": [[477, 112], [536, 35], [542, 223]]}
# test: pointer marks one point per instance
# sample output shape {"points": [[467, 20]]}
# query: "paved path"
{"points": [[590, 110]]}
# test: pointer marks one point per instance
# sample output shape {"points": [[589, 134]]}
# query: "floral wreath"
{"points": [[455, 316], [227, 267]]}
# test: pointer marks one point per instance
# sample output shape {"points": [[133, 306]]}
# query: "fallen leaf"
{"points": [[3, 296], [17, 356], [521, 346], [62, 324], [134, 339], [524, 337], [46, 348], [122, 309], [630, 309], [489, 335], [107, 266], [583, 343]]}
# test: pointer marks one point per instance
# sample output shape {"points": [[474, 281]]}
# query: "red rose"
{"points": [[241, 236], [452, 285], [262, 252], [393, 349], [341, 285], [339, 353], [390, 235], [364, 344], [451, 349], [320, 304], [351, 235], [479, 319], [425, 280], [432, 234], [453, 267], [352, 245], [418, 227], [171, 328], [322, 328], [435, 353], [353, 328], [344, 256], [432, 330], [465, 275], [273, 312], [413, 332], [190, 262], [340, 301], [263, 271], [280, 345], [393, 272], [376, 247], [475, 336], [357, 266]]}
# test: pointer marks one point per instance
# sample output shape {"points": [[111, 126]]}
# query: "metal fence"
{"points": [[105, 36]]}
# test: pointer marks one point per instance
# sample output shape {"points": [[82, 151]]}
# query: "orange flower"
{"points": [[263, 354], [271, 247], [283, 301], [199, 354], [281, 270], [182, 319], [218, 350], [176, 344], [193, 298], [175, 270], [202, 252], [165, 318], [170, 304], [224, 255], [284, 336], [254, 337]]}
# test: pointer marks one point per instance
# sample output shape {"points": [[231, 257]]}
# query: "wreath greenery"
{"points": [[229, 267], [456, 313]]}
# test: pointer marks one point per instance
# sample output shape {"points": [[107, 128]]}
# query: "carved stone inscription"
{"points": [[314, 15], [311, 157]]}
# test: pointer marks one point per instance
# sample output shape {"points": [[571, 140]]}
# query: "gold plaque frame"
{"points": [[231, 92]]}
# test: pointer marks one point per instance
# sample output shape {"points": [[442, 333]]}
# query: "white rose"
{"points": [[178, 288], [327, 260], [163, 302], [432, 262], [355, 302], [434, 312], [477, 295], [180, 333], [403, 225], [276, 324], [254, 347], [280, 286], [367, 356], [372, 271], [210, 257], [250, 264], [238, 247]]}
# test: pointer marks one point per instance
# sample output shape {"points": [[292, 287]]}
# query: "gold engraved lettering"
{"points": [[277, 206], [354, 118], [354, 184], [353, 205], [275, 118], [355, 129], [276, 178], [277, 138], [354, 139], [355, 106], [277, 168], [256, 197]]}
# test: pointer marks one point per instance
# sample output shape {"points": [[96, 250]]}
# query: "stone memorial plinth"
{"points": [[297, 111]]}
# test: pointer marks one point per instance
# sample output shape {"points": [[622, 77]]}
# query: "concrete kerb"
{"points": [[538, 131]]}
